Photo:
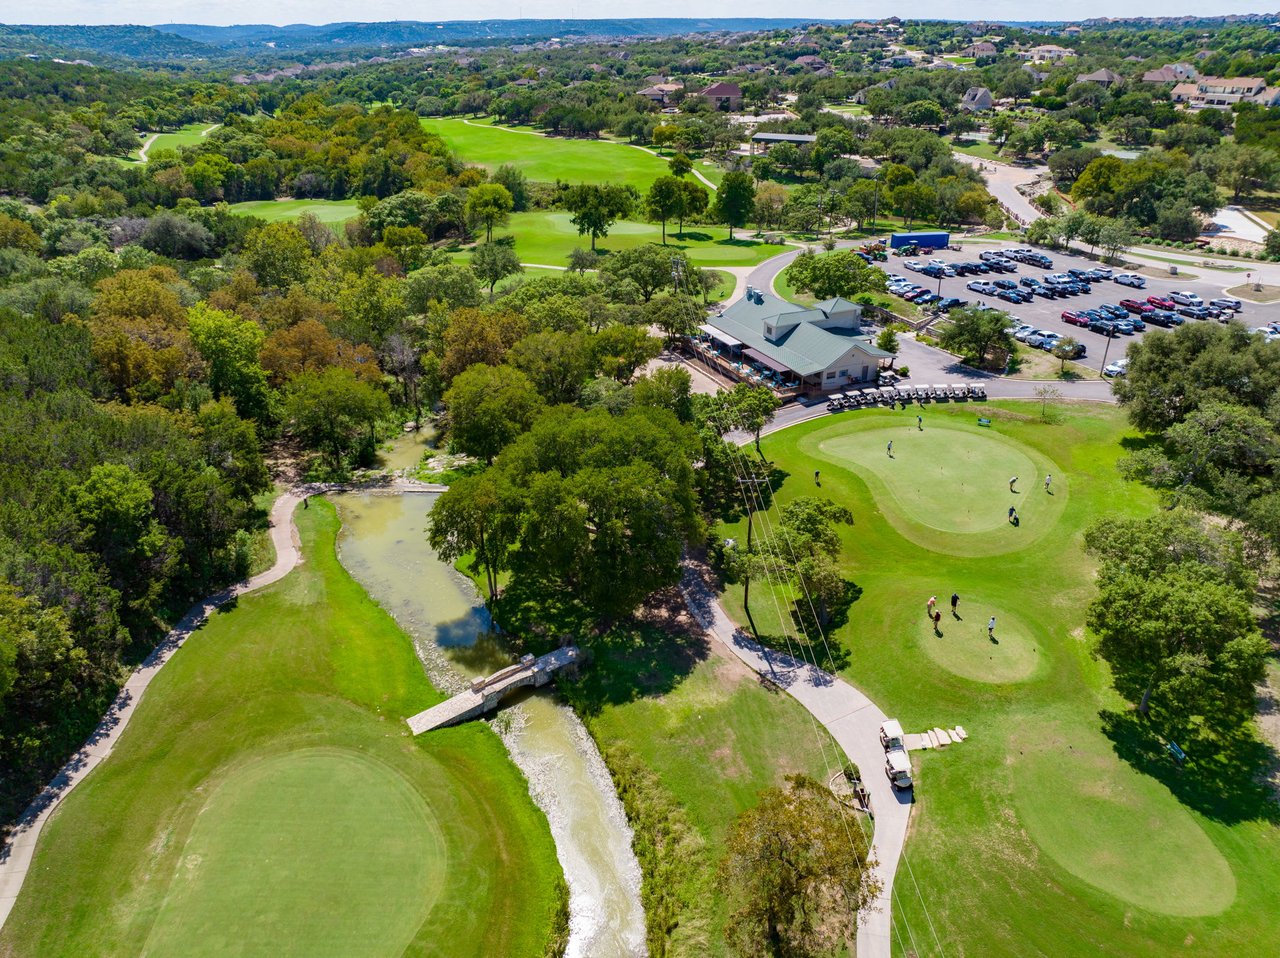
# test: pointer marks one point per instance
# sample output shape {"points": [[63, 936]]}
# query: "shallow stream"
{"points": [[383, 545]]}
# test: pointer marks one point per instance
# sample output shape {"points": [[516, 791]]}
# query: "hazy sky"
{"points": [[326, 11]]}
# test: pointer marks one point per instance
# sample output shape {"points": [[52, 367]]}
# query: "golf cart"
{"points": [[897, 764]]}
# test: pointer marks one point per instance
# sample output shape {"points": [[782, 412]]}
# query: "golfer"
{"points": [[933, 600], [991, 627], [920, 423], [890, 449], [955, 602], [1012, 481], [1048, 481], [815, 475]]}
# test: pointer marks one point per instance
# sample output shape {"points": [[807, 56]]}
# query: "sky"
{"points": [[328, 11]]}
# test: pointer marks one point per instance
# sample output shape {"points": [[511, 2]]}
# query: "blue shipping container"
{"points": [[935, 240]]}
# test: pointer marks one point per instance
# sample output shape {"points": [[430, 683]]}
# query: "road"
{"points": [[1003, 181]]}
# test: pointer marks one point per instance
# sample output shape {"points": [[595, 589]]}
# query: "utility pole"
{"points": [[1111, 333]]}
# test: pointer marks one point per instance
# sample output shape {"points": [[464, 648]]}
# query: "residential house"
{"points": [[980, 50], [661, 93], [1039, 76], [1046, 53], [822, 347], [723, 96], [1104, 77], [1220, 93], [811, 62], [861, 96], [1170, 73], [977, 99]]}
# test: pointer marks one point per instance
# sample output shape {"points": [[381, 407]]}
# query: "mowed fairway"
{"points": [[326, 211], [548, 159], [547, 237], [1035, 836], [267, 799]]}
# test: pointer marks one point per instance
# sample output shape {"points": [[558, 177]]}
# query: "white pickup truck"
{"points": [[897, 763]]}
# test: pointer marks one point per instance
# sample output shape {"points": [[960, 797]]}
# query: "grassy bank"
{"points": [[268, 799]]}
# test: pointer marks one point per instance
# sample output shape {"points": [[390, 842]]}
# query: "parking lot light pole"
{"points": [[1111, 333]]}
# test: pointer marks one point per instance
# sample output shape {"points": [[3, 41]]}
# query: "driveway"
{"points": [[1234, 223], [1003, 181]]}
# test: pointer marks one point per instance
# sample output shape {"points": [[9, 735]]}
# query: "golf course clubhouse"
{"points": [[795, 350]]}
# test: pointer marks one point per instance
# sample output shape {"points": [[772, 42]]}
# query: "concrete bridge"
{"points": [[485, 693]]}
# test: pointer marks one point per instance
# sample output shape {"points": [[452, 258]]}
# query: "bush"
{"points": [[904, 370]]}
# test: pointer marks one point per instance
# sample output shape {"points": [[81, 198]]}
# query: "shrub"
{"points": [[904, 370]]}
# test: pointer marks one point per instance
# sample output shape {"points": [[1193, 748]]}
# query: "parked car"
{"points": [[914, 265], [1132, 280], [1103, 271], [1004, 284], [1163, 317], [1104, 326], [1013, 296], [1037, 338], [1098, 275], [1074, 318], [1137, 322], [1023, 331], [1114, 310], [1227, 303], [927, 299], [1045, 292], [1186, 298], [912, 295], [1002, 266], [1074, 351], [988, 255], [1194, 312], [1057, 279], [1118, 368], [1030, 282], [1134, 306], [952, 302], [983, 287], [1124, 326], [1160, 302]]}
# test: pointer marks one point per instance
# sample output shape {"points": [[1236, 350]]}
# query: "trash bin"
{"points": [[1173, 271]]}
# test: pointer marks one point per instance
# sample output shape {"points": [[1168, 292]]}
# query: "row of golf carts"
{"points": [[876, 395]]}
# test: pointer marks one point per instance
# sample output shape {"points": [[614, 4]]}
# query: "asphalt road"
{"points": [[1047, 313]]}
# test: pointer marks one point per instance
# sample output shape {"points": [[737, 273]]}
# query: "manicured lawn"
{"points": [[546, 237], [189, 135], [979, 148], [1048, 832], [268, 799], [327, 211], [548, 159]]}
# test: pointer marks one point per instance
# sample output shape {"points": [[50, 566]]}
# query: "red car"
{"points": [[1133, 306], [1159, 302], [1074, 318]]}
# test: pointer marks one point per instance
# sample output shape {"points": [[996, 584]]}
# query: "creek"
{"points": [[383, 545]]}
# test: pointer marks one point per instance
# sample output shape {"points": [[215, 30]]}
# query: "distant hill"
{"points": [[407, 33], [126, 42]]}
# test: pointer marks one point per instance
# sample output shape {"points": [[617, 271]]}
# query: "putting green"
{"points": [[1114, 828], [271, 866], [946, 487], [965, 649]]}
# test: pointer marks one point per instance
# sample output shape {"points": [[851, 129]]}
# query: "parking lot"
{"points": [[1046, 313]]}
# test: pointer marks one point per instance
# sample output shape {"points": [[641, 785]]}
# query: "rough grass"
{"points": [[268, 799], [327, 211], [548, 159], [1055, 829]]}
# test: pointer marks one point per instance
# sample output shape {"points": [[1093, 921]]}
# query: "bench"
{"points": [[982, 421]]}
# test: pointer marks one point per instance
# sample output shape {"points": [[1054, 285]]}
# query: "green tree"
{"points": [[664, 201], [557, 363], [494, 262], [230, 347], [693, 203], [278, 255], [488, 406], [478, 516], [973, 333], [797, 873], [1065, 349], [620, 350], [680, 165], [888, 341], [842, 273], [334, 412], [735, 200], [746, 407], [490, 204], [595, 207], [649, 266]]}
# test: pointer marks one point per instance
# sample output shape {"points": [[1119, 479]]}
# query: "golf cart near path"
{"points": [[897, 764]]}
